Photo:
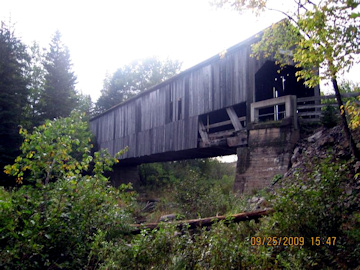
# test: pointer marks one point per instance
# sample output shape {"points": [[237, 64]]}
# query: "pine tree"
{"points": [[59, 97], [36, 77], [13, 94]]}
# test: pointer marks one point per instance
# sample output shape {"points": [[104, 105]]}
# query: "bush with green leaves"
{"points": [[162, 175], [320, 200], [225, 246], [53, 221], [57, 149], [197, 196], [73, 219], [329, 116]]}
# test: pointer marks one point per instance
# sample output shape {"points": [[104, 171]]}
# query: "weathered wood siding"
{"points": [[165, 118]]}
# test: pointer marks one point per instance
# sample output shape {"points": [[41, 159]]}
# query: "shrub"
{"points": [[320, 200], [197, 196], [52, 222], [54, 225], [329, 117]]}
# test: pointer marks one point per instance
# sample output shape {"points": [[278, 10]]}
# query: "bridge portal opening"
{"points": [[272, 82]]}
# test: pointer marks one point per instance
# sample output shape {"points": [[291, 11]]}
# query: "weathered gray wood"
{"points": [[234, 118], [203, 133], [313, 106], [225, 133], [224, 123], [309, 114], [156, 122], [315, 98], [238, 140]]}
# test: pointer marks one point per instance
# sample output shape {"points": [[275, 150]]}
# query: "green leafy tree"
{"points": [[85, 104], [59, 97], [52, 222], [55, 150], [134, 78], [322, 34], [13, 94]]}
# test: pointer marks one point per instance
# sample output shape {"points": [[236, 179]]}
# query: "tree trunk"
{"points": [[206, 222], [354, 150]]}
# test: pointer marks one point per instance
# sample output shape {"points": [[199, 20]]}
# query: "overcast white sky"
{"points": [[105, 35]]}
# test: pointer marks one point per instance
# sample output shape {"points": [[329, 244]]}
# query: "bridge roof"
{"points": [[237, 46]]}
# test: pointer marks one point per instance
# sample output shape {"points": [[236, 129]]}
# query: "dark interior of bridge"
{"points": [[271, 82], [270, 79]]}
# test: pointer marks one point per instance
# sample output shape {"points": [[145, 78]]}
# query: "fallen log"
{"points": [[205, 222]]}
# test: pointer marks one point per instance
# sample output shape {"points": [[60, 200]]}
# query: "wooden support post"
{"points": [[234, 118], [203, 134]]}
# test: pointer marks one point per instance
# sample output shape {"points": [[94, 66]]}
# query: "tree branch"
{"points": [[49, 172], [284, 13]]}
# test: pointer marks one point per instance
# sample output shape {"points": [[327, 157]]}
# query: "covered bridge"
{"points": [[205, 111]]}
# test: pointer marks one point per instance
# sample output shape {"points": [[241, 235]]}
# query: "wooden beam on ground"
{"points": [[206, 222], [234, 119]]}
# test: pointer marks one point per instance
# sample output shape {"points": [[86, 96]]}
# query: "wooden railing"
{"points": [[309, 108], [288, 102]]}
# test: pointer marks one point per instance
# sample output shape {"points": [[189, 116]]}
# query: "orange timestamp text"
{"points": [[290, 241]]}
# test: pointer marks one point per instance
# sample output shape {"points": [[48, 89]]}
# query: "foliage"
{"points": [[320, 200], [158, 175], [57, 149], [35, 75], [75, 222], [85, 104], [353, 110], [53, 226], [59, 97], [13, 94], [323, 35], [349, 87], [53, 222], [222, 247], [352, 107], [199, 197], [190, 188], [329, 117], [134, 78]]}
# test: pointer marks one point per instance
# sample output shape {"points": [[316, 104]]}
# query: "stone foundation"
{"points": [[268, 154]]}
